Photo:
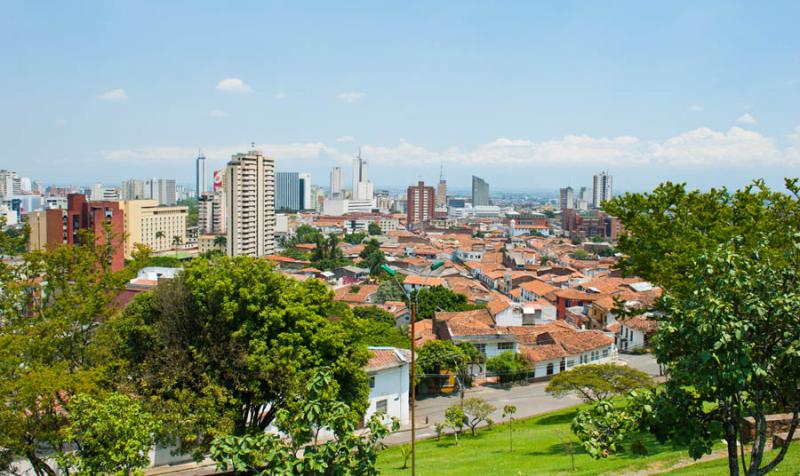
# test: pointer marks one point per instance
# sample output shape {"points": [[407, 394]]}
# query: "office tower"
{"points": [[480, 192], [601, 189], [161, 190], [25, 185], [420, 204], [441, 190], [362, 187], [10, 183], [567, 198], [111, 193], [200, 175], [160, 228], [211, 213], [46, 229], [336, 183], [103, 220], [133, 190], [250, 201], [96, 192], [305, 192], [287, 191]]}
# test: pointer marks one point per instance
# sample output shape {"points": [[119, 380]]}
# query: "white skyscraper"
{"points": [[336, 183], [601, 189], [362, 187], [305, 191], [200, 175], [250, 199]]}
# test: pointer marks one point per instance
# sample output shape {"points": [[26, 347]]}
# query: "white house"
{"points": [[635, 332], [388, 371], [414, 282]]}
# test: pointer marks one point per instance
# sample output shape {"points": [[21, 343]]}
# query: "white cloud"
{"points": [[706, 147], [280, 95], [218, 113], [696, 108], [234, 85], [346, 139], [179, 154], [113, 95], [350, 97], [746, 119]]}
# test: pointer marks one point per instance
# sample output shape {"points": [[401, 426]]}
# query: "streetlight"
{"points": [[393, 274]]}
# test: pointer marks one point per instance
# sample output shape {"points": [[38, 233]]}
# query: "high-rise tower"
{"points": [[250, 201]]}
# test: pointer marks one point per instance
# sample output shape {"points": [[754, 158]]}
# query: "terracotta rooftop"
{"points": [[387, 357], [423, 281], [641, 323], [364, 291]]}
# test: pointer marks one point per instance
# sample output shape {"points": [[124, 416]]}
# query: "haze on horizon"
{"points": [[527, 96]]}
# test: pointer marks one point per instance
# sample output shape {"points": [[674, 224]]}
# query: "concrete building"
{"points": [[211, 213], [210, 242], [133, 190], [154, 226], [362, 187], [287, 191], [388, 370], [305, 191], [441, 194], [567, 198], [601, 189], [47, 229], [336, 184], [480, 192], [164, 191], [250, 202], [200, 175], [10, 183], [103, 220], [421, 203]]}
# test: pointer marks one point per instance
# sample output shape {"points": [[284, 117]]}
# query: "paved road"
{"points": [[529, 399]]}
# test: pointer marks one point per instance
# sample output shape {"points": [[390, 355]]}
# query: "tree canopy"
{"points": [[373, 257], [595, 382], [223, 346], [435, 298]]}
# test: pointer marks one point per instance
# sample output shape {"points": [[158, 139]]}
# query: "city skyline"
{"points": [[572, 89]]}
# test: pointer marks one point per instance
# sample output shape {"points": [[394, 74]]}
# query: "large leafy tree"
{"points": [[51, 306], [439, 298], [597, 382], [509, 366], [222, 348], [730, 331], [373, 257], [443, 355]]}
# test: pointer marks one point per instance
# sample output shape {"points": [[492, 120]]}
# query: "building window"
{"points": [[481, 348], [550, 368], [382, 406], [505, 346], [372, 382], [605, 352]]}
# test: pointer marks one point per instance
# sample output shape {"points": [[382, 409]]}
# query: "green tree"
{"points": [[160, 235], [177, 241], [300, 453], [375, 313], [109, 436], [443, 355], [508, 413], [389, 291], [355, 238], [253, 335], [454, 418], [377, 330], [728, 332], [597, 382], [192, 212], [305, 234], [476, 411], [436, 298], [373, 257], [374, 229], [509, 366], [581, 254], [220, 241], [52, 305], [16, 238], [327, 254]]}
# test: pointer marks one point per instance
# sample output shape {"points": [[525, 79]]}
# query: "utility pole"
{"points": [[413, 389]]}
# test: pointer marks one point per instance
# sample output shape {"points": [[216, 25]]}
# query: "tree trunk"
{"points": [[40, 467], [731, 438]]}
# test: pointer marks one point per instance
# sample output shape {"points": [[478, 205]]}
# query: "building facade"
{"points": [[480, 192], [566, 198], [362, 187], [160, 228], [421, 201], [601, 189], [102, 220], [336, 183], [250, 201], [200, 175], [287, 191]]}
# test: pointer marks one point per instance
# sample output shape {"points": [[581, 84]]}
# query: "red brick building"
{"points": [[421, 203], [94, 217]]}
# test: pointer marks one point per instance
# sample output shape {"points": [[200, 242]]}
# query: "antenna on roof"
{"points": [[441, 170], [252, 145]]}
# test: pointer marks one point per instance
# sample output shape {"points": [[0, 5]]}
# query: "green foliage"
{"points": [[728, 334], [581, 254], [305, 234], [389, 291], [109, 436], [373, 257], [374, 229], [315, 407], [435, 298], [327, 255], [509, 366], [602, 428], [406, 452], [476, 411], [355, 238], [192, 213], [443, 355], [596, 382], [455, 418], [51, 307], [210, 347], [375, 313], [508, 413], [16, 239], [296, 254], [378, 328]]}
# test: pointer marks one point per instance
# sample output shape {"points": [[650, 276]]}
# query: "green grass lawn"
{"points": [[537, 450], [790, 466]]}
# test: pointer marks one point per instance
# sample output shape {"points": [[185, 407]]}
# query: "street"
{"points": [[530, 400]]}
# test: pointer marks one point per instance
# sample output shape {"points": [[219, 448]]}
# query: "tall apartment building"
{"points": [[420, 204], [480, 192], [336, 183], [164, 191], [101, 220], [154, 226], [250, 201], [601, 189], [567, 198], [133, 190], [211, 213], [10, 183], [200, 175], [305, 191], [362, 187]]}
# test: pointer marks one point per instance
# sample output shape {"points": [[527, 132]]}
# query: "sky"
{"points": [[528, 95]]}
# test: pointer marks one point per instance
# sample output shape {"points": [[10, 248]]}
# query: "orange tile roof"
{"points": [[537, 287], [496, 306], [344, 294], [423, 281], [641, 323], [423, 331], [386, 358]]}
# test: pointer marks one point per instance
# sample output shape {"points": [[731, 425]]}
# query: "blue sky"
{"points": [[529, 95]]}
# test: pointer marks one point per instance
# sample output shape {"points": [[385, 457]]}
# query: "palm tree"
{"points": [[176, 242], [220, 241], [159, 236]]}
